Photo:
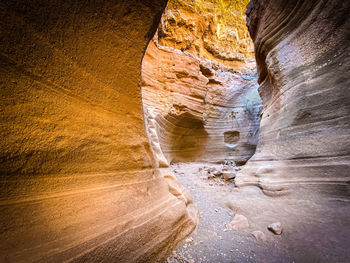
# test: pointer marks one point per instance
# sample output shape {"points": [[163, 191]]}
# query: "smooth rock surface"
{"points": [[203, 111], [302, 52], [78, 179]]}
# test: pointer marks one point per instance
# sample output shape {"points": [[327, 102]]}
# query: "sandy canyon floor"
{"points": [[310, 232]]}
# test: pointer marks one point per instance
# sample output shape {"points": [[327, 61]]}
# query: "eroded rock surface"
{"points": [[212, 29], [302, 52], [78, 179], [204, 111]]}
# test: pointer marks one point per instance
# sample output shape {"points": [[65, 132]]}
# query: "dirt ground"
{"points": [[311, 230]]}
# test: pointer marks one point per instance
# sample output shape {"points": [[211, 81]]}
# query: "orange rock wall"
{"points": [[211, 29], [78, 178]]}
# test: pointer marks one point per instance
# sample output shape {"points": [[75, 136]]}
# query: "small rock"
{"points": [[275, 228], [189, 240], [210, 176], [216, 210], [229, 175], [259, 236], [238, 222], [217, 173]]}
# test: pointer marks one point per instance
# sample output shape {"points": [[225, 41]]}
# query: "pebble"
{"points": [[238, 222], [189, 240], [259, 236], [229, 175], [275, 228]]}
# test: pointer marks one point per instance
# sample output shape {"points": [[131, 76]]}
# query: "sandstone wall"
{"points": [[200, 109], [302, 51], [78, 179], [212, 29]]}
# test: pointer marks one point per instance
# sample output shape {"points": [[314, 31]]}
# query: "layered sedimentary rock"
{"points": [[200, 109], [78, 179], [302, 51], [208, 29]]}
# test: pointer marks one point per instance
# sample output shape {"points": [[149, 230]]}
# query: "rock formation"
{"points": [[211, 29], [203, 111], [78, 179], [302, 52]]}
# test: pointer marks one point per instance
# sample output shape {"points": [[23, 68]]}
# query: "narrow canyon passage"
{"points": [[181, 130], [203, 112]]}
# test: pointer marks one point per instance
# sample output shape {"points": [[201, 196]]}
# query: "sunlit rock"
{"points": [[78, 178], [212, 29]]}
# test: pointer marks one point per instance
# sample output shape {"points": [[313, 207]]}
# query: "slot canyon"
{"points": [[175, 131]]}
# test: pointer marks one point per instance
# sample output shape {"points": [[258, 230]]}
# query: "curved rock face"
{"points": [[203, 111], [78, 179], [302, 52]]}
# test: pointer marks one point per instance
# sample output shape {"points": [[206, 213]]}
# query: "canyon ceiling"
{"points": [[84, 169]]}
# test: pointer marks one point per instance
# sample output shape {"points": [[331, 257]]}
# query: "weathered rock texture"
{"points": [[201, 110], [209, 29], [78, 179], [302, 51]]}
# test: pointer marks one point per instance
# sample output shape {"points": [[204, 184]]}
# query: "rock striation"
{"points": [[78, 179], [302, 52], [202, 110]]}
